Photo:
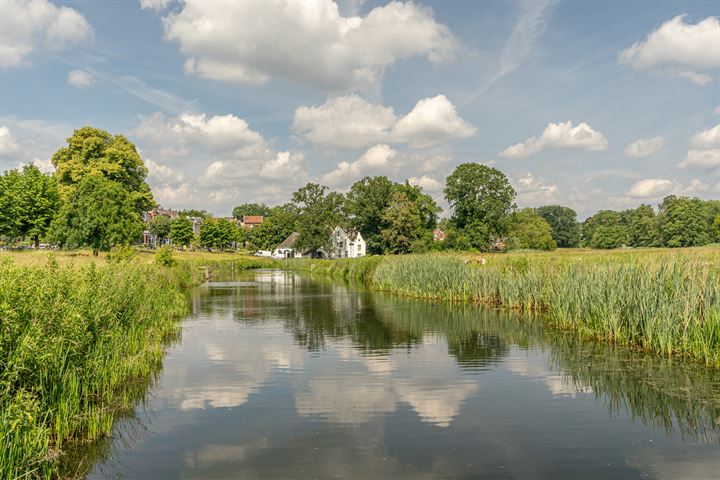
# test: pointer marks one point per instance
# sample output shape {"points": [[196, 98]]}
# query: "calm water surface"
{"points": [[280, 375]]}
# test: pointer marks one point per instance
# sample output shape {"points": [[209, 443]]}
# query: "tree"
{"points": [[684, 222], [319, 213], [404, 226], [209, 234], [195, 213], [529, 230], [427, 207], [608, 236], [280, 223], [91, 151], [481, 198], [99, 213], [251, 209], [564, 225], [160, 227], [642, 227], [28, 203], [181, 231], [604, 218], [365, 205]]}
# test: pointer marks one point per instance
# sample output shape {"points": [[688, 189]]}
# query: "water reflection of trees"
{"points": [[672, 394]]}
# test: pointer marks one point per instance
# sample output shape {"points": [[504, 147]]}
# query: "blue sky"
{"points": [[588, 104]]}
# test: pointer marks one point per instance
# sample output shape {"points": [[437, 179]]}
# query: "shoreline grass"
{"points": [[664, 301], [75, 341]]}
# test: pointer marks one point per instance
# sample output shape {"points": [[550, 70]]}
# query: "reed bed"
{"points": [[75, 343], [667, 302]]}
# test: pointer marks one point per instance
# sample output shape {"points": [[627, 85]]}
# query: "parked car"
{"points": [[263, 253]]}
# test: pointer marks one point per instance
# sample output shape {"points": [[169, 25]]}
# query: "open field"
{"points": [[661, 300]]}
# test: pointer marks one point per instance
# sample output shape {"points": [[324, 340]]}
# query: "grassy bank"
{"points": [[666, 301], [76, 340]]}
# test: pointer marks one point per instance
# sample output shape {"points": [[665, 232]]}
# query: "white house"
{"points": [[287, 248], [346, 244]]}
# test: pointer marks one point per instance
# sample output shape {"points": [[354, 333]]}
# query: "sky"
{"points": [[593, 105]]}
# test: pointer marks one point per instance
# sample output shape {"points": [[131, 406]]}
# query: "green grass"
{"points": [[665, 301], [76, 340]]}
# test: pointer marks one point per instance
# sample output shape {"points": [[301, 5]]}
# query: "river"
{"points": [[285, 375]]}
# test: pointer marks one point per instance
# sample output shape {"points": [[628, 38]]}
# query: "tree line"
{"points": [[97, 195]]}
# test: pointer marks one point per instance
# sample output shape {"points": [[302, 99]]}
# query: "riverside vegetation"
{"points": [[658, 300], [78, 345]]}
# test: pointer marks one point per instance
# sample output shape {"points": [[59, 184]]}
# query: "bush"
{"points": [[164, 256]]}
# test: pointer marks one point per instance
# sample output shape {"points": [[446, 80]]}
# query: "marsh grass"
{"points": [[665, 301], [76, 341]]}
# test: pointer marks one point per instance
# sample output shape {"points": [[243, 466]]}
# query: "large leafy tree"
{"points": [[366, 204], [98, 213], [28, 202], [481, 198], [564, 225], [319, 212], [684, 222], [160, 227], [218, 233], [427, 207], [91, 151], [642, 227], [251, 209], [403, 224], [181, 232], [607, 219], [281, 222], [529, 230]]}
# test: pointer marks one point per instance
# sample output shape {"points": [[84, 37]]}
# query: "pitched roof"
{"points": [[289, 242], [252, 219]]}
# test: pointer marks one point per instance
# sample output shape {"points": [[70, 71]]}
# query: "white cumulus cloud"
{"points": [[353, 122], [680, 46], [428, 184], [644, 147], [307, 42], [7, 142], [704, 150], [651, 188], [80, 78], [559, 136], [31, 24], [375, 160]]}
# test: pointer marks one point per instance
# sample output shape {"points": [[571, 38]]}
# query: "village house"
{"points": [[251, 221], [343, 244], [287, 248], [149, 239], [346, 244], [439, 235]]}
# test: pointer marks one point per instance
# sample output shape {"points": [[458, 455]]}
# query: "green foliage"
{"points": [[642, 227], [28, 203], [99, 213], [529, 230], [684, 222], [94, 152], [181, 232], [164, 256], [319, 213], [121, 254], [481, 198], [68, 369], [666, 303], [275, 228], [195, 213], [251, 209], [613, 224], [403, 224], [160, 227], [366, 203], [564, 225], [218, 233], [608, 236]]}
